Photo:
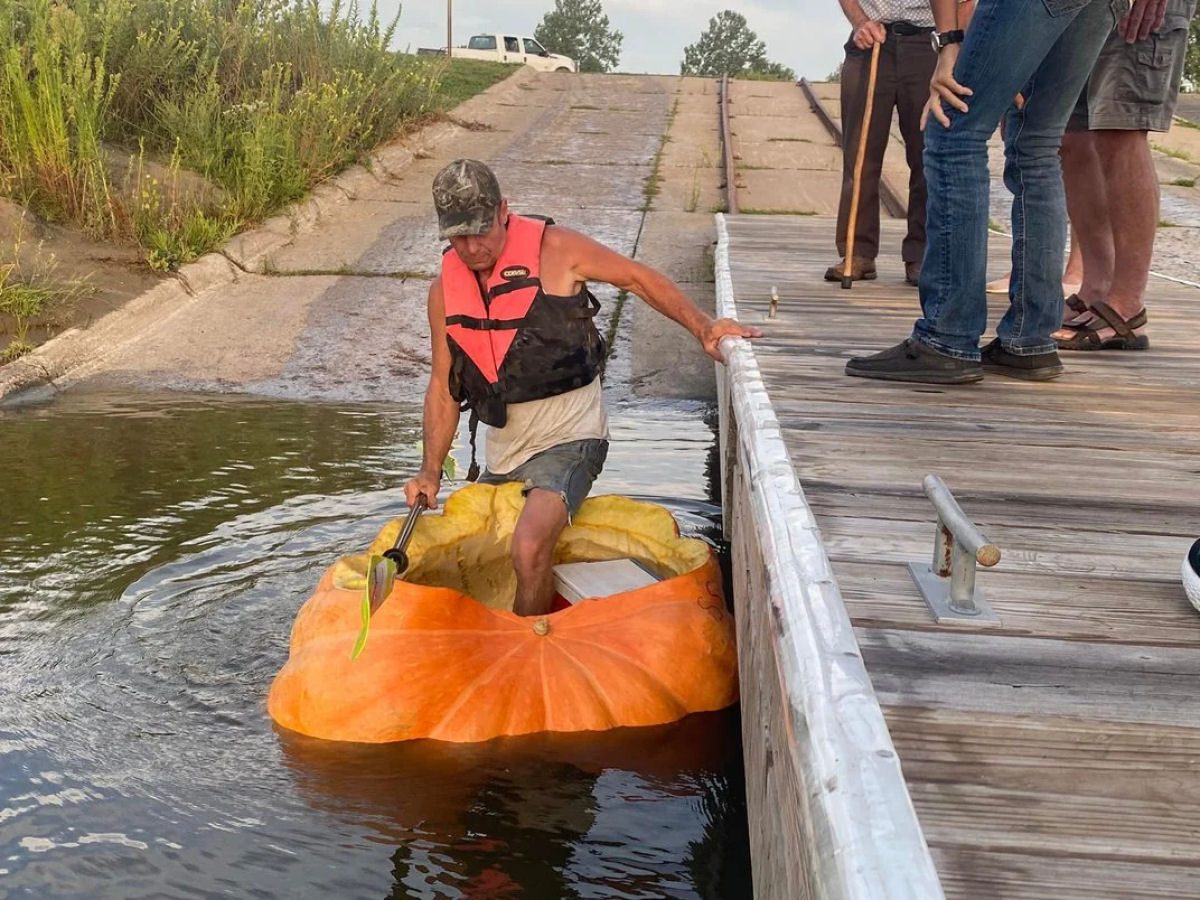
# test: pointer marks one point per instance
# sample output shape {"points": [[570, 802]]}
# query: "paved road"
{"points": [[1189, 107], [338, 312]]}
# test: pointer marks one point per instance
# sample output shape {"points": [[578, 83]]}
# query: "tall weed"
{"points": [[54, 98], [261, 98], [30, 293]]}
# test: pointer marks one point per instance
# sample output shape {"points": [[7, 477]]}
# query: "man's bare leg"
{"points": [[1133, 206], [1073, 273], [541, 522], [1088, 208]]}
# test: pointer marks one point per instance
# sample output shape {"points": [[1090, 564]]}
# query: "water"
{"points": [[154, 550]]}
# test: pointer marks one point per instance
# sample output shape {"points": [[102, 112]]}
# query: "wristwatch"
{"points": [[945, 38]]}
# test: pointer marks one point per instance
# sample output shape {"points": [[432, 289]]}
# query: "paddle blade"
{"points": [[381, 576]]}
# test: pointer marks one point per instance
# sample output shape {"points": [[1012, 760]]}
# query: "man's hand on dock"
{"points": [[710, 339]]}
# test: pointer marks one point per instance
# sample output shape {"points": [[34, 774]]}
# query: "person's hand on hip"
{"points": [[943, 88]]}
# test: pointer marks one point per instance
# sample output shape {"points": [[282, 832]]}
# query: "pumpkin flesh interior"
{"points": [[466, 548]]}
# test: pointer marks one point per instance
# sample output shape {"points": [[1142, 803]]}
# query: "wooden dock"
{"points": [[1054, 755]]}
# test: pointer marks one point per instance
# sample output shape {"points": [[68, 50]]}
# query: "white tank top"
{"points": [[541, 424]]}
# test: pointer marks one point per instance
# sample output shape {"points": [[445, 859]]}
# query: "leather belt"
{"points": [[906, 29]]}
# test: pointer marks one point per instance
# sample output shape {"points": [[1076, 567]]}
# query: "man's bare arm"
{"points": [[945, 14], [854, 14], [867, 32], [943, 87], [592, 261], [441, 410]]}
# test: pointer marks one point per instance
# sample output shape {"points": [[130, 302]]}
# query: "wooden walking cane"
{"points": [[848, 262]]}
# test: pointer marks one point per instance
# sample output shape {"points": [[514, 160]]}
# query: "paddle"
{"points": [[382, 571]]}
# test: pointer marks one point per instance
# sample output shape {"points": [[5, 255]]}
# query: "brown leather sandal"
{"points": [[1079, 315], [1076, 305], [1087, 337]]}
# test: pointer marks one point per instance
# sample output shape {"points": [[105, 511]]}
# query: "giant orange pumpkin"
{"points": [[447, 659]]}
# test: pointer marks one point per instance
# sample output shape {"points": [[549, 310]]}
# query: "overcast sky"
{"points": [[806, 35]]}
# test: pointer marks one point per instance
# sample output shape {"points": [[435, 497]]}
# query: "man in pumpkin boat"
{"points": [[515, 342]]}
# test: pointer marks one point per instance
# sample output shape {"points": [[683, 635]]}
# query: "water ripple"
{"points": [[152, 564]]}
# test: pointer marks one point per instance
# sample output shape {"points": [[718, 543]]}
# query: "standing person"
{"points": [[1112, 187], [511, 325], [906, 61], [1044, 50]]}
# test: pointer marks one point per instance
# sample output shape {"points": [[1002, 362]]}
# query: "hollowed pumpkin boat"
{"points": [[447, 658]]}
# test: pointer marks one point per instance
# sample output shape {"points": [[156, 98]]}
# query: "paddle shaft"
{"points": [[848, 262], [396, 553]]}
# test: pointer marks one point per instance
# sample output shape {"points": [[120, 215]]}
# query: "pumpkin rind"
{"points": [[438, 664]]}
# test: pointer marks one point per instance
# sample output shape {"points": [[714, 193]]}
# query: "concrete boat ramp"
{"points": [[1054, 753]]}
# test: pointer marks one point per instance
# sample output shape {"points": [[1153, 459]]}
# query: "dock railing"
{"points": [[829, 812]]}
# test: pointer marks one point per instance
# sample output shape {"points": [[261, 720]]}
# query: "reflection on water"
{"points": [[153, 553]]}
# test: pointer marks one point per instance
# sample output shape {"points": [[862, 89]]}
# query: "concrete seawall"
{"points": [[829, 813]]}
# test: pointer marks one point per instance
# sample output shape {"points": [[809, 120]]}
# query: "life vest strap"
{"points": [[473, 426], [546, 388], [509, 286], [477, 324]]}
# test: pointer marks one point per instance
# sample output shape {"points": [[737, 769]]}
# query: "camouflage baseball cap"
{"points": [[466, 196]]}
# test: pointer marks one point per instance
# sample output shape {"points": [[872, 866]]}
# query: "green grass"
{"points": [[756, 211], [462, 79], [694, 195], [1163, 223], [30, 293], [653, 182], [1186, 123], [797, 140], [1183, 182], [614, 321], [993, 225], [271, 269], [1172, 152], [112, 112]]}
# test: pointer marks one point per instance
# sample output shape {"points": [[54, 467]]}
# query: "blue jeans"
{"points": [[1044, 49]]}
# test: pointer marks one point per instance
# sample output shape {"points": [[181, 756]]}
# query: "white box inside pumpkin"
{"points": [[575, 581]]}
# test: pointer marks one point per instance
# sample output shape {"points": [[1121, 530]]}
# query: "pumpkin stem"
{"points": [[542, 626]]}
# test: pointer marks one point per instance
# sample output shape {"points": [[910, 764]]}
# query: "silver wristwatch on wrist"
{"points": [[945, 38]]}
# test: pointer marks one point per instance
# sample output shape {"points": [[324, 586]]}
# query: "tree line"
{"points": [[580, 29]]}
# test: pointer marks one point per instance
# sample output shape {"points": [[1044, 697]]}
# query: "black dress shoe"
{"points": [[911, 360], [1034, 367]]}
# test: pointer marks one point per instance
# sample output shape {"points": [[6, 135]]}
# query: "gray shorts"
{"points": [[1134, 87], [566, 469]]}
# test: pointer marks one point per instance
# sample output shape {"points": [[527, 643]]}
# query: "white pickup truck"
{"points": [[507, 48]]}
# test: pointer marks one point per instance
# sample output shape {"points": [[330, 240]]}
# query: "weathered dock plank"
{"points": [[1057, 753]]}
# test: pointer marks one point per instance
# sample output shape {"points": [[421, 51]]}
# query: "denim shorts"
{"points": [[566, 469], [1133, 87]]}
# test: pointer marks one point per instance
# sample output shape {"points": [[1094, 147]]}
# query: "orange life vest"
{"points": [[515, 342]]}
